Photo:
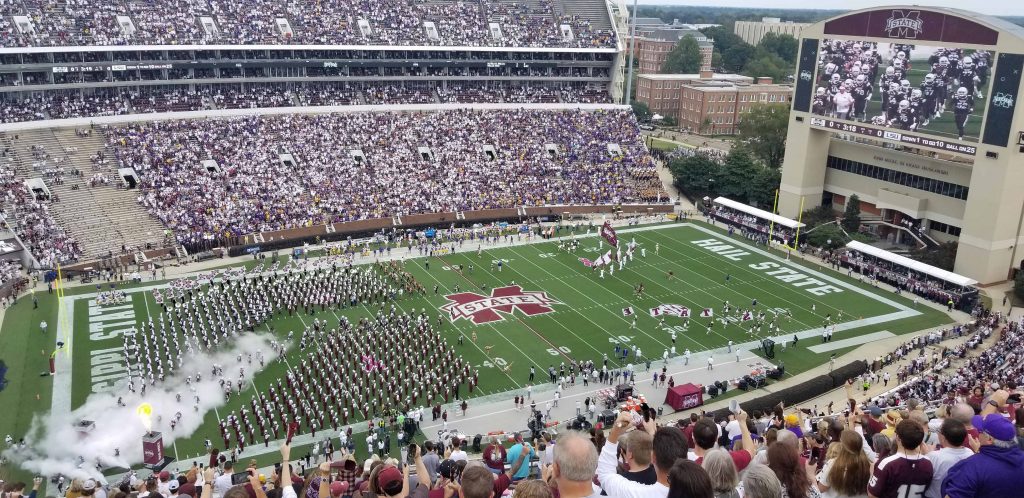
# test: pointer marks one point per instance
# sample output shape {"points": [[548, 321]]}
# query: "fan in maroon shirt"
{"points": [[906, 474]]}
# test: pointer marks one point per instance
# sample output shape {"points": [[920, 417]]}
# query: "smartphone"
{"points": [[239, 478], [411, 453], [292, 428], [637, 419]]}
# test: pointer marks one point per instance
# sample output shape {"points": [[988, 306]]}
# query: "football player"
{"points": [[917, 107], [819, 105], [861, 92], [968, 77], [963, 106], [904, 118], [929, 94], [893, 97]]}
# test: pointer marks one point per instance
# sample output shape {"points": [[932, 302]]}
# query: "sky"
{"points": [[997, 8]]}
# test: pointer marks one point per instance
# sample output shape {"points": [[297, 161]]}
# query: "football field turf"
{"points": [[568, 312]]}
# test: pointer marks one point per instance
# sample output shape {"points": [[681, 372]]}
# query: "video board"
{"points": [[924, 95]]}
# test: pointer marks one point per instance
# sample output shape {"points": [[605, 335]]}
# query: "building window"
{"points": [[917, 182]]}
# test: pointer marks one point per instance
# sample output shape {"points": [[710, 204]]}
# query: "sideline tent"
{"points": [[684, 397], [758, 213], [931, 271]]}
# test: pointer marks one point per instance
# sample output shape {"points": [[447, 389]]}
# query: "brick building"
{"points": [[719, 99], [655, 46]]}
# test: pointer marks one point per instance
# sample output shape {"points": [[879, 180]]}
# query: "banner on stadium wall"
{"points": [[1005, 87], [805, 75]]}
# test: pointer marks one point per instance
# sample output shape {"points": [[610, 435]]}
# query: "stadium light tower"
{"points": [[632, 49]]}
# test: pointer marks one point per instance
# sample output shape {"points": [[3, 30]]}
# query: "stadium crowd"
{"points": [[364, 22], [905, 279], [31, 220], [255, 190], [140, 101]]}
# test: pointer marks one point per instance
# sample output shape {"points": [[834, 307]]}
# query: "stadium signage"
{"points": [[107, 326], [480, 309], [917, 24], [776, 270], [895, 136]]}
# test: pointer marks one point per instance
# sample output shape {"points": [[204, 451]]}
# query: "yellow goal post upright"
{"points": [[771, 227], [63, 326]]}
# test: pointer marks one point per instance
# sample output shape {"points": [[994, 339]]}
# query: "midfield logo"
{"points": [[484, 309], [900, 25]]}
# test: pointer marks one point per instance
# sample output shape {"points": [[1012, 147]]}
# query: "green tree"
{"points": [[784, 46], [696, 176], [763, 63], [641, 110], [735, 58], [1018, 284], [736, 173], [684, 58], [826, 236], [669, 121], [762, 187], [851, 216], [723, 36], [942, 256], [705, 126], [762, 131], [716, 60]]}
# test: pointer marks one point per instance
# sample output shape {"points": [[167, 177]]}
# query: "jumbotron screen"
{"points": [[920, 95]]}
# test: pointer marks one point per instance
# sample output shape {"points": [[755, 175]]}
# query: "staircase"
{"points": [[595, 11], [101, 218]]}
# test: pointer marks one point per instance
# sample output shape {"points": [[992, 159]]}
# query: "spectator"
{"points": [[669, 445], [574, 466], [996, 470], [952, 435], [532, 488], [760, 482], [847, 474], [905, 473], [787, 467], [513, 454], [705, 435], [494, 456], [636, 449], [722, 471], [431, 461], [688, 480]]}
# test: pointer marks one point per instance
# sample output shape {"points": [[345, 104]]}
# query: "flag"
{"points": [[586, 262], [627, 311], [609, 234], [707, 313], [656, 312], [684, 313], [604, 259], [671, 309], [747, 316]]}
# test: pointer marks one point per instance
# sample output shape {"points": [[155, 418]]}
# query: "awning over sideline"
{"points": [[906, 262], [760, 213]]}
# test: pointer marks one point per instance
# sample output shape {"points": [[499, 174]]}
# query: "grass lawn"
{"points": [[585, 322]]}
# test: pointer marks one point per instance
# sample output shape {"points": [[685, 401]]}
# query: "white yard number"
{"points": [[446, 268], [497, 361], [560, 350], [615, 339], [677, 328], [546, 255]]}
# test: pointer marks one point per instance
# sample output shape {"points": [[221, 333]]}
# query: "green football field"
{"points": [[585, 319]]}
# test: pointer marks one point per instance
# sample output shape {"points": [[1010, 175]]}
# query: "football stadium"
{"points": [[391, 248]]}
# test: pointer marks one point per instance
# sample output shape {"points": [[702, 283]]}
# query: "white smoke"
{"points": [[55, 446]]}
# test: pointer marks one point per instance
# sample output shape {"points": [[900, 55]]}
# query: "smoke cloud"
{"points": [[54, 444]]}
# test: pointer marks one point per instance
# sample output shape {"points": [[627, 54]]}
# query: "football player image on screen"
{"points": [[904, 118], [930, 92], [968, 77], [820, 104], [861, 92], [963, 106]]}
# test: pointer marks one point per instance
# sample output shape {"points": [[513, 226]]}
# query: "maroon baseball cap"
{"points": [[390, 480], [339, 488]]}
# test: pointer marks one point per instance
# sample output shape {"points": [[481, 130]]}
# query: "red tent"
{"points": [[684, 396]]}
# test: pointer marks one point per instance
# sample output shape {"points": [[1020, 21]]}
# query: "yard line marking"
{"points": [[567, 329]]}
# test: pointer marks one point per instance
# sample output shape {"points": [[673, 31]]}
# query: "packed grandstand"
{"points": [[183, 125]]}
